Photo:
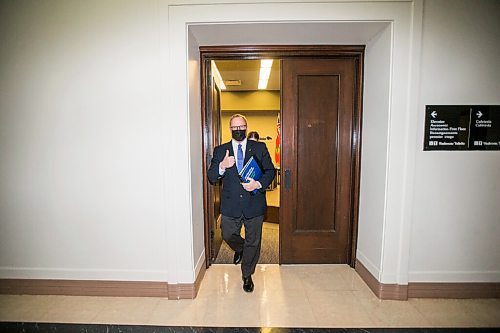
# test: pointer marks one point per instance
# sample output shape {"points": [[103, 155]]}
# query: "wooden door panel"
{"points": [[317, 116], [316, 127], [217, 187], [213, 191]]}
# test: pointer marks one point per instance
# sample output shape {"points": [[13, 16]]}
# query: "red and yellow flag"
{"points": [[278, 140]]}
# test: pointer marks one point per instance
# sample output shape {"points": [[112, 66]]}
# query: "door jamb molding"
{"points": [[252, 52]]}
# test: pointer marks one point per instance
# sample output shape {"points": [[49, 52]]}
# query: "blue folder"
{"points": [[250, 170]]}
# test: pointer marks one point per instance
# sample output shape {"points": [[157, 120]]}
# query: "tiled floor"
{"points": [[284, 296]]}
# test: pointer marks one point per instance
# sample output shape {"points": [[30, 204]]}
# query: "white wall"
{"points": [[375, 132], [456, 214], [100, 144], [196, 157], [96, 131], [81, 135]]}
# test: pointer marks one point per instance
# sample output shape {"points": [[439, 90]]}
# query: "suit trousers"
{"points": [[250, 245]]}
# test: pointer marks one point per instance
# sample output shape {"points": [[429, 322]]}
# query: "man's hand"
{"points": [[251, 185], [227, 162]]}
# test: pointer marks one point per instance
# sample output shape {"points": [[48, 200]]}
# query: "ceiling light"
{"points": [[265, 72], [217, 73], [268, 63]]}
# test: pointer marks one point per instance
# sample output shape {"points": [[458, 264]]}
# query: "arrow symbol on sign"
{"points": [[434, 114], [479, 114]]}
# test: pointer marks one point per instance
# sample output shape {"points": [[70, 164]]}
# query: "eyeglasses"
{"points": [[242, 127]]}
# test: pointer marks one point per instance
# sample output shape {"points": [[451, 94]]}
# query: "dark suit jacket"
{"points": [[235, 200]]}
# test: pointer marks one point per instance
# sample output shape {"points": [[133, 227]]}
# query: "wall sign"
{"points": [[462, 127]]}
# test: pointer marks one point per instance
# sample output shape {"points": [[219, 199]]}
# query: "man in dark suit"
{"points": [[242, 203]]}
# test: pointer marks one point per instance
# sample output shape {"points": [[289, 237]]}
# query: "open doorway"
{"points": [[250, 88], [320, 147]]}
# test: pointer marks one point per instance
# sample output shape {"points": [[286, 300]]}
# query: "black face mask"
{"points": [[239, 135]]}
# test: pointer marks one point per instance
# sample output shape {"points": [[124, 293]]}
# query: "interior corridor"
{"points": [[284, 296]]}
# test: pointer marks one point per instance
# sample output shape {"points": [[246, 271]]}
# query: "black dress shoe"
{"points": [[237, 257], [248, 284]]}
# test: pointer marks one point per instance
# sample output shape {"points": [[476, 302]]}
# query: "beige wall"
{"points": [[250, 100], [264, 122], [261, 109]]}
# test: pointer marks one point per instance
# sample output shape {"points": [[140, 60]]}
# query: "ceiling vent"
{"points": [[232, 83]]}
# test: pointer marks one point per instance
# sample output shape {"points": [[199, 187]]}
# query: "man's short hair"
{"points": [[237, 115]]}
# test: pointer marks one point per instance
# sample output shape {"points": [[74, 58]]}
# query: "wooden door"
{"points": [[214, 191], [319, 128]]}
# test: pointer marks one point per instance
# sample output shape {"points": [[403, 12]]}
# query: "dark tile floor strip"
{"points": [[13, 327]]}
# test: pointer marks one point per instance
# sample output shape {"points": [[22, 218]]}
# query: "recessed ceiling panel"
{"points": [[246, 71]]}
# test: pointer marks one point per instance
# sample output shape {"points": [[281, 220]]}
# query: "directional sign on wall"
{"points": [[462, 127], [485, 128]]}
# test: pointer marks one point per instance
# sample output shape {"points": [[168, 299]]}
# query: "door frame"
{"points": [[252, 52]]}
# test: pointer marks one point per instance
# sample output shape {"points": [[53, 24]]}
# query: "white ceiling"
{"points": [[291, 33]]}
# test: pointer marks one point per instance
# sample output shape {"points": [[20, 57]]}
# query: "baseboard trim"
{"points": [[84, 287], [367, 263], [102, 288], [454, 290], [381, 290], [186, 290], [427, 290]]}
